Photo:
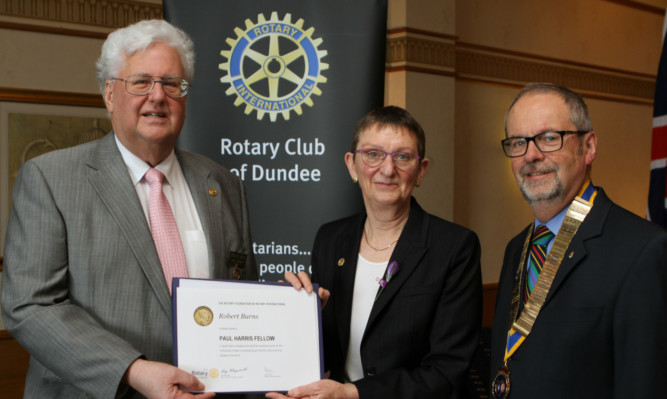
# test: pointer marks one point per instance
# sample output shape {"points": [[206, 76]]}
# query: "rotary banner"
{"points": [[277, 91]]}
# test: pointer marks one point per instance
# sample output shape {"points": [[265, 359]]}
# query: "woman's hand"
{"points": [[322, 389], [302, 280]]}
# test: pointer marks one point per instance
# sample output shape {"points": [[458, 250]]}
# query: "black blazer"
{"points": [[422, 331], [602, 332]]}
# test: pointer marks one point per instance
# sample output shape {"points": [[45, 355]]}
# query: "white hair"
{"points": [[124, 42]]}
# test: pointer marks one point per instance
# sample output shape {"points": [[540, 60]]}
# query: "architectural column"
{"points": [[420, 77]]}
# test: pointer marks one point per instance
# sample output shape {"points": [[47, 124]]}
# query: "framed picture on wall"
{"points": [[28, 130]]}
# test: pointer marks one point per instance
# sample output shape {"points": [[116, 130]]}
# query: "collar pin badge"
{"points": [[213, 192]]}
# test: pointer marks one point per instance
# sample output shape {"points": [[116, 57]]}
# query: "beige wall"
{"points": [[43, 61], [597, 32], [487, 199], [473, 56]]}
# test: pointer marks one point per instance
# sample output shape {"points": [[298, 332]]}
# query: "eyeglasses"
{"points": [[546, 142], [402, 160], [140, 85]]}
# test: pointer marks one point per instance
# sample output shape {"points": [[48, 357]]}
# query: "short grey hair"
{"points": [[390, 116], [124, 42], [578, 109]]}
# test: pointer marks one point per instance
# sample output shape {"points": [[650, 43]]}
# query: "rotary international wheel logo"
{"points": [[274, 66]]}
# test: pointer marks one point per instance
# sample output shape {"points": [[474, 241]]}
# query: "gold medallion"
{"points": [[203, 316], [500, 387]]}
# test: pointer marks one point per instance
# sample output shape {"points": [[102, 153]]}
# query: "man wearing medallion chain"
{"points": [[581, 310]]}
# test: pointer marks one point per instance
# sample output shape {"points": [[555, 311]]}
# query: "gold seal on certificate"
{"points": [[203, 316]]}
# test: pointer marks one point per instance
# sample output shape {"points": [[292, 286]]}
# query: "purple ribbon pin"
{"points": [[392, 269]]}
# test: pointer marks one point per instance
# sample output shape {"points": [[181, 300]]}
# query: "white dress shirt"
{"points": [[176, 190], [366, 284]]}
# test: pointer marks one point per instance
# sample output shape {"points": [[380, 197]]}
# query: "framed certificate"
{"points": [[247, 337]]}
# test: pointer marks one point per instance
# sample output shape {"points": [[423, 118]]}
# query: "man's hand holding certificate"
{"points": [[246, 337]]}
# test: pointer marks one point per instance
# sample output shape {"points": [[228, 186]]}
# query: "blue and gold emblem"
{"points": [[274, 66]]}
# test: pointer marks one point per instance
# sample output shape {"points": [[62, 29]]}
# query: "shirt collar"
{"points": [[138, 168], [587, 191], [554, 224]]}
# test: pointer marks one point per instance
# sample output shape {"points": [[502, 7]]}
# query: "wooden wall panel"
{"points": [[13, 367]]}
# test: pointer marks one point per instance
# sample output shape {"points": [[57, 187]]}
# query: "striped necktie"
{"points": [[538, 254]]}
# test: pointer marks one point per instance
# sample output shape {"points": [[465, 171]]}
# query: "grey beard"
{"points": [[553, 196]]}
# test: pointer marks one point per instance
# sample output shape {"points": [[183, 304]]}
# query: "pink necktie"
{"points": [[164, 230]]}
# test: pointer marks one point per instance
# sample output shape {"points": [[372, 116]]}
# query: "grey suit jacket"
{"points": [[82, 288]]}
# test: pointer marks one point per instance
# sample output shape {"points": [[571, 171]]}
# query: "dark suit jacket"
{"points": [[82, 288], [422, 331], [602, 332]]}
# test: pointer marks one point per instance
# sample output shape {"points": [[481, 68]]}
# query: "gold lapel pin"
{"points": [[213, 191], [571, 254], [341, 261]]}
